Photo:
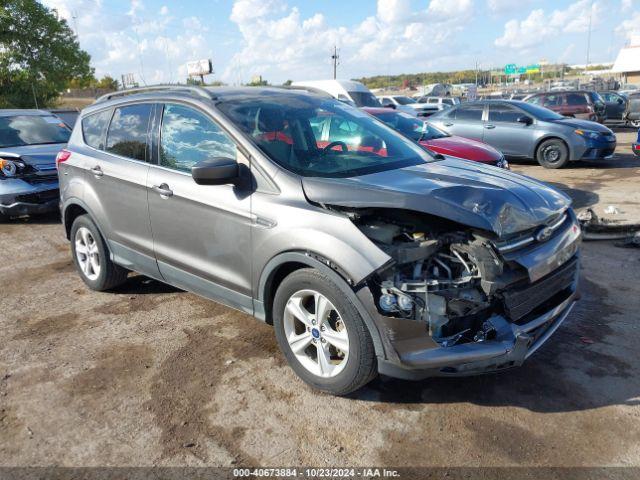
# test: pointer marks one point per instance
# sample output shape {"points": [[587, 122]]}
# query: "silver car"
{"points": [[365, 252], [525, 131]]}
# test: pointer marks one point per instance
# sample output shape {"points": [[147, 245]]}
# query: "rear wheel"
{"points": [[321, 333], [552, 153], [91, 256], [635, 123]]}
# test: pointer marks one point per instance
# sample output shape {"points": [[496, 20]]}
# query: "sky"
{"points": [[294, 39]]}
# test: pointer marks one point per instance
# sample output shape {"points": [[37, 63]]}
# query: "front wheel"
{"points": [[552, 153], [321, 333], [635, 123]]}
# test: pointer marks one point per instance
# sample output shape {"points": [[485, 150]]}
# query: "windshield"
{"points": [[404, 100], [20, 130], [410, 126], [364, 99], [317, 137], [540, 113]]}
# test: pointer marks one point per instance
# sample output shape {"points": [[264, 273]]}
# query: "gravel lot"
{"points": [[150, 375]]}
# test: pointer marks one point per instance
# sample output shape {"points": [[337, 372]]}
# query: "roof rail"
{"points": [[131, 91], [317, 91]]}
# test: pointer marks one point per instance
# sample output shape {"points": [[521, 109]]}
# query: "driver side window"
{"points": [[188, 136]]}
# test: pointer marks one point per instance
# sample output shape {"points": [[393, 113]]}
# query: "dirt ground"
{"points": [[150, 375]]}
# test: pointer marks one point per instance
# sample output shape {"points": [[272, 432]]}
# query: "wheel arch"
{"points": [[552, 137], [283, 264], [74, 208]]}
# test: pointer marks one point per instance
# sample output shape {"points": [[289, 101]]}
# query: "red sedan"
{"points": [[438, 141]]}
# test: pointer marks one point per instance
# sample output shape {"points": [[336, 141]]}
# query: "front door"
{"points": [[504, 132], [201, 233]]}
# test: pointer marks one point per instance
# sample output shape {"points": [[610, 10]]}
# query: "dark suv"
{"points": [[365, 252], [577, 104]]}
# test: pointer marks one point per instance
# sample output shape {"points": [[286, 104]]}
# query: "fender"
{"points": [[77, 201], [329, 269]]}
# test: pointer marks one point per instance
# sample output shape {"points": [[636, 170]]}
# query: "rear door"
{"points": [[117, 186], [504, 132], [577, 105], [465, 121], [201, 233]]}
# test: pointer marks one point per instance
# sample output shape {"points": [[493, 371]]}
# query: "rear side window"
{"points": [[129, 131], [472, 112], [577, 99], [93, 128]]}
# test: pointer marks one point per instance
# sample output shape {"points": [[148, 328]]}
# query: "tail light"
{"points": [[63, 156]]}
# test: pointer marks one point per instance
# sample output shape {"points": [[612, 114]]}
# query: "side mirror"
{"points": [[389, 105], [620, 101], [525, 119], [216, 171]]}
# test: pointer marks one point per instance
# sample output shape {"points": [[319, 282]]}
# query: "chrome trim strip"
{"points": [[509, 247]]}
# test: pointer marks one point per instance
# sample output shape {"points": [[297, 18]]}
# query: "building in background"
{"points": [[627, 65]]}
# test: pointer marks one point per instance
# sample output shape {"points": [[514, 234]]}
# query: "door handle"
{"points": [[448, 124], [489, 127], [97, 171], [163, 190]]}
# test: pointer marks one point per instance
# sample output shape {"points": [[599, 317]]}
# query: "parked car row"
{"points": [[366, 252], [526, 130]]}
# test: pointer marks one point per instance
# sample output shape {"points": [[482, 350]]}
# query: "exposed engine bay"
{"points": [[443, 274]]}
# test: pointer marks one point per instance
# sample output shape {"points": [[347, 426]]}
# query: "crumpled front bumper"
{"points": [[511, 347], [20, 197]]}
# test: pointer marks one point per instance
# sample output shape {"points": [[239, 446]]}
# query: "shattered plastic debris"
{"points": [[611, 210], [596, 228]]}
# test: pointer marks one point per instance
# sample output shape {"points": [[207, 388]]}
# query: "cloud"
{"points": [[540, 26], [135, 41], [500, 7], [278, 43], [630, 29]]}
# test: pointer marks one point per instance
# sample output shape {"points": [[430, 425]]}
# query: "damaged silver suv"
{"points": [[367, 253]]}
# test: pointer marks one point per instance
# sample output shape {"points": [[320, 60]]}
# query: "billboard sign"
{"points": [[199, 68]]}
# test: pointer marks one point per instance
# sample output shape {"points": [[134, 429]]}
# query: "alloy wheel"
{"points": [[87, 253], [316, 333]]}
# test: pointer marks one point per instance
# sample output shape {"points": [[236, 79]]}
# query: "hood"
{"points": [[469, 193], [583, 124], [463, 148], [40, 157]]}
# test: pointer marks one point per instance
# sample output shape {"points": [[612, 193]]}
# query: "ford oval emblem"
{"points": [[544, 234]]}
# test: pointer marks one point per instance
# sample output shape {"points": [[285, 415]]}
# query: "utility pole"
{"points": [[334, 59], [586, 67]]}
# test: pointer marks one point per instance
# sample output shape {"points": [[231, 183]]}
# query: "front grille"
{"points": [[519, 302], [40, 197]]}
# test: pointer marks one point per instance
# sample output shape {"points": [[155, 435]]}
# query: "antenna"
{"points": [[334, 58]]}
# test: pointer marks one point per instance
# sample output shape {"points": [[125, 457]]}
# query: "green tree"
{"points": [[107, 82], [39, 55]]}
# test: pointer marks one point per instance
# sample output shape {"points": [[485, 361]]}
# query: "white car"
{"points": [[406, 104], [348, 91]]}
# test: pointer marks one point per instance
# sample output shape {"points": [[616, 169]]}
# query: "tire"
{"points": [[635, 123], [552, 153], [343, 373], [98, 272]]}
